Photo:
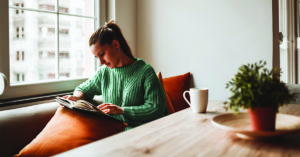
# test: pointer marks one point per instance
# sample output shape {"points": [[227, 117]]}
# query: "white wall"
{"points": [[124, 12], [209, 38]]}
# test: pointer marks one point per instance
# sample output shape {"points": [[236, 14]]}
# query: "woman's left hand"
{"points": [[110, 109]]}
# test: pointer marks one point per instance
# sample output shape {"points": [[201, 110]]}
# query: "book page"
{"points": [[65, 102], [88, 105], [80, 104]]}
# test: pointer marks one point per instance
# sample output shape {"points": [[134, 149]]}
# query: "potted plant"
{"points": [[260, 91]]}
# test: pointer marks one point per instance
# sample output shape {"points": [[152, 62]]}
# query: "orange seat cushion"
{"points": [[174, 87], [69, 129], [168, 101]]}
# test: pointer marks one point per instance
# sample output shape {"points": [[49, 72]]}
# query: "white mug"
{"points": [[199, 99]]}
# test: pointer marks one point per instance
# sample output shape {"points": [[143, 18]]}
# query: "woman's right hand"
{"points": [[78, 95], [71, 97]]}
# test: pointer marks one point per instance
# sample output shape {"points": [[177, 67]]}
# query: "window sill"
{"points": [[29, 101]]}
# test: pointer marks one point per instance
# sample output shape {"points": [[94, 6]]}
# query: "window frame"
{"points": [[289, 20], [25, 90]]}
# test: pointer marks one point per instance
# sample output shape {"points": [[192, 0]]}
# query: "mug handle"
{"points": [[185, 97]]}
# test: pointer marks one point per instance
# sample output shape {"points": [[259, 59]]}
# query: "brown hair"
{"points": [[109, 32]]}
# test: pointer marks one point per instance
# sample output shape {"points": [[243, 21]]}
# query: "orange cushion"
{"points": [[168, 101], [174, 87], [69, 129]]}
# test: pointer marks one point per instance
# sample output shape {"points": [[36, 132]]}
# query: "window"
{"points": [[19, 32], [19, 5], [23, 55], [51, 63], [51, 54], [47, 7], [289, 39], [64, 54], [51, 30], [63, 9], [64, 31], [51, 75], [18, 54], [22, 32], [20, 77], [66, 75]]}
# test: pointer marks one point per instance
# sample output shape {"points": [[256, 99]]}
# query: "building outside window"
{"points": [[58, 58], [37, 42]]}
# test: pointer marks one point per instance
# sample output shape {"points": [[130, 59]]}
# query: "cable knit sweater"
{"points": [[135, 88]]}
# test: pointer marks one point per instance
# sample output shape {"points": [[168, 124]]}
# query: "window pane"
{"points": [[75, 58], [284, 43], [32, 46], [48, 5], [80, 7]]}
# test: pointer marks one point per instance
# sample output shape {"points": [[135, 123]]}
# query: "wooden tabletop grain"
{"points": [[185, 134]]}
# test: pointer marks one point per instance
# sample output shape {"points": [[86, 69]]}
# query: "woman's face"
{"points": [[106, 54]]}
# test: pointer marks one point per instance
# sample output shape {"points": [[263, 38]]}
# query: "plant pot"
{"points": [[263, 118]]}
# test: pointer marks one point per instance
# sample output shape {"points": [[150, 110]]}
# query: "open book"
{"points": [[79, 104]]}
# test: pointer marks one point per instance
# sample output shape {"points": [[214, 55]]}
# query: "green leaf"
{"points": [[256, 86]]}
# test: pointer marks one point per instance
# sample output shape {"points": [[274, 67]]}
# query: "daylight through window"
{"points": [[46, 42]]}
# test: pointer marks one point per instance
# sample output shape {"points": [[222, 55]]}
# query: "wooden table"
{"points": [[186, 134]]}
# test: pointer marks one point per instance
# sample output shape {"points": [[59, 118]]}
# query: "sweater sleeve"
{"points": [[92, 86], [154, 105]]}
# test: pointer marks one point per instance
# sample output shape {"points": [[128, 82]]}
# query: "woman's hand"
{"points": [[78, 95], [110, 108], [71, 97]]}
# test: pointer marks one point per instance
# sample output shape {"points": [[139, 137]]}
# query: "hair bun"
{"points": [[110, 24]]}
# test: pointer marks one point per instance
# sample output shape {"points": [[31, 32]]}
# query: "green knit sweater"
{"points": [[135, 88]]}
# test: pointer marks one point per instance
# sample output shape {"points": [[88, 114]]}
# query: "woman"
{"points": [[130, 88]]}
